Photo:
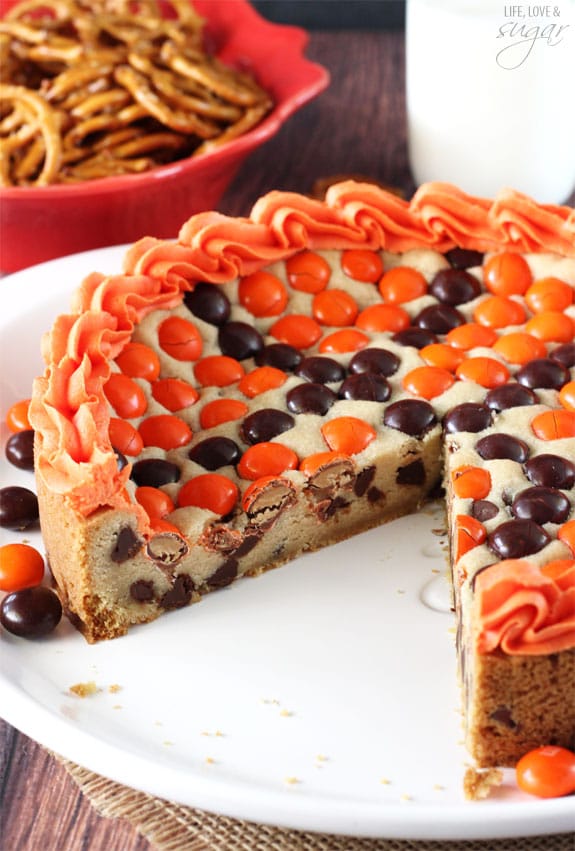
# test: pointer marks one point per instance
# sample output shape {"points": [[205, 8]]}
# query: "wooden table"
{"points": [[357, 126]]}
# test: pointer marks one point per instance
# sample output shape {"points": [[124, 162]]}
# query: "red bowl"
{"points": [[39, 223]]}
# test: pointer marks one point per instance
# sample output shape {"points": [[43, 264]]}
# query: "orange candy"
{"points": [[428, 381], [313, 463], [567, 396], [174, 393], [17, 416], [487, 372], [261, 379], [220, 411], [125, 396], [519, 347], [139, 361], [21, 566], [547, 772], [339, 342], [262, 294], [165, 431], [180, 338], [549, 294], [296, 330], [218, 371], [383, 317], [124, 437], [469, 534], [266, 459], [155, 502], [442, 355], [334, 307], [551, 326], [471, 336], [211, 491], [567, 534], [554, 425], [401, 284], [362, 265], [471, 482], [507, 274], [497, 311], [308, 272], [348, 435]]}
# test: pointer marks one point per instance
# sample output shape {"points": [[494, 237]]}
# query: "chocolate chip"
{"points": [[310, 398], [247, 545], [483, 509], [127, 545], [411, 416], [411, 474], [378, 361], [166, 549], [502, 446], [328, 507], [225, 574], [517, 538], [321, 370], [281, 356], [543, 372], [510, 396], [215, 452], [469, 416], [239, 340], [439, 318], [363, 480], [541, 504], [464, 258], [142, 590], [179, 594], [208, 302], [154, 472], [18, 507], [551, 471], [454, 286], [20, 449], [374, 494], [264, 425], [367, 386], [502, 715]]}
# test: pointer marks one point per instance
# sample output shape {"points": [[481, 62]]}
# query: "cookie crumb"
{"points": [[114, 688], [385, 782], [84, 689], [478, 784], [292, 781], [404, 799], [210, 760], [286, 713]]}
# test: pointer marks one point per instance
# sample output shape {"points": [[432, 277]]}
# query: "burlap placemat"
{"points": [[172, 827]]}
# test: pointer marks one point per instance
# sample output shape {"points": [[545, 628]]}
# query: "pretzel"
{"points": [[93, 89]]}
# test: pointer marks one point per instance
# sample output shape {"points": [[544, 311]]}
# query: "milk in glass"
{"points": [[491, 95]]}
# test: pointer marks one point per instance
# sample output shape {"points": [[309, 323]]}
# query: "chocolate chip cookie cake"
{"points": [[266, 386]]}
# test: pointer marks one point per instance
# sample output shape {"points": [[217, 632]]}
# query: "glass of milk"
{"points": [[491, 95]]}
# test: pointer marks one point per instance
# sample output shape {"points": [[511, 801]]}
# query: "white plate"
{"points": [[321, 696]]}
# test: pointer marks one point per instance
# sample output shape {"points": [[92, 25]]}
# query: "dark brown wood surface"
{"points": [[358, 126]]}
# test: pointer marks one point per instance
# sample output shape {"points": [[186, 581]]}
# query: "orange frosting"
{"points": [[524, 609], [69, 411]]}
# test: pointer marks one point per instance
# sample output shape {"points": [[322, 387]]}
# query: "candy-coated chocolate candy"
{"points": [[416, 337], [18, 507], [308, 272], [165, 431], [547, 772], [379, 361], [362, 265], [297, 330], [368, 386], [310, 398], [510, 395], [139, 361], [267, 459], [541, 504], [174, 393], [517, 539], [439, 318], [543, 372], [17, 416], [220, 411], [499, 445], [469, 416], [464, 258], [262, 294], [19, 449], [31, 612], [208, 302], [411, 416], [21, 566], [279, 355], [265, 424], [454, 286], [334, 307], [155, 472], [348, 435], [239, 340], [322, 370], [402, 284], [551, 471], [215, 452]]}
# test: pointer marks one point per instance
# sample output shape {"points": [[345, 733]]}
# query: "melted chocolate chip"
{"points": [[127, 545], [20, 449], [510, 396], [411, 474], [247, 545], [154, 472], [416, 337], [502, 446], [368, 386], [18, 508], [502, 715], [142, 591], [541, 504], [483, 509], [363, 480], [517, 538], [543, 372], [551, 471], [208, 302], [239, 340], [454, 286], [215, 452], [281, 356], [321, 370], [464, 258], [310, 398], [378, 361], [439, 318], [179, 594], [411, 416], [469, 416], [225, 574], [264, 425]]}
